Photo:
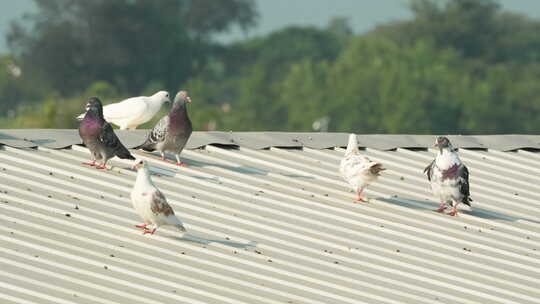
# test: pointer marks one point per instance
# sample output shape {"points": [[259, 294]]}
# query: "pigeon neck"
{"points": [[143, 177], [352, 146], [179, 109], [95, 113], [446, 150]]}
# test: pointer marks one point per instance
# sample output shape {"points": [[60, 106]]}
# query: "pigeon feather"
{"points": [[150, 203], [134, 111], [358, 170], [448, 177], [98, 136], [172, 131]]}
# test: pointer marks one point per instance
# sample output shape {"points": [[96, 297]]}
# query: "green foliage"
{"points": [[127, 43], [458, 66]]}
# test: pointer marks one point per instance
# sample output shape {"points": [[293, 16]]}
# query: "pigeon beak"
{"points": [[87, 107], [188, 99], [167, 100]]}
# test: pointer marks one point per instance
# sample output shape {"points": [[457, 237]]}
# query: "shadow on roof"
{"points": [[196, 239]]}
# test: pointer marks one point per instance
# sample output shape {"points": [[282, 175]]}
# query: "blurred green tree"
{"points": [[127, 43]]}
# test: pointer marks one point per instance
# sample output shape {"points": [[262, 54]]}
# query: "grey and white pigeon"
{"points": [[98, 136], [358, 170], [172, 131], [150, 203], [448, 177], [134, 111]]}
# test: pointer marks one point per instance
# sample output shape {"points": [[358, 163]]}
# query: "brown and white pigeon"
{"points": [[448, 177], [150, 203], [358, 170], [134, 111], [172, 131], [98, 136]]}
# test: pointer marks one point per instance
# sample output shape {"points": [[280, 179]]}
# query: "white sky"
{"points": [[275, 14]]}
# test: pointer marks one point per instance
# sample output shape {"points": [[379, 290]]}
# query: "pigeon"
{"points": [[172, 131], [134, 111], [98, 136], [150, 203], [358, 170], [448, 176]]}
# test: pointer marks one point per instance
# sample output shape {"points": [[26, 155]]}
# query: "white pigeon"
{"points": [[134, 111], [150, 203], [358, 170], [448, 177]]}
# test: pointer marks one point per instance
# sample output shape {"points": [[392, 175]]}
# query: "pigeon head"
{"points": [[443, 143], [163, 96], [93, 105], [181, 98], [138, 164]]}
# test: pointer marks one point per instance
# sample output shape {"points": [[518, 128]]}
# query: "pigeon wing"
{"points": [[159, 205], [111, 142], [463, 177], [131, 108], [157, 134], [429, 170]]}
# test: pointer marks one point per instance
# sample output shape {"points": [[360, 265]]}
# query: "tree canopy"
{"points": [[456, 66]]}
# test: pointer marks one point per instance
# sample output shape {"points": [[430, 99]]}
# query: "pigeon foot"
{"points": [[167, 160], [360, 199], [102, 167], [453, 212], [149, 231], [440, 209], [142, 226], [93, 164], [182, 165]]}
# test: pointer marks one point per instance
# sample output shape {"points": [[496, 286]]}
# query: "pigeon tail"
{"points": [[147, 146], [180, 227], [352, 146], [124, 154], [376, 168], [467, 200]]}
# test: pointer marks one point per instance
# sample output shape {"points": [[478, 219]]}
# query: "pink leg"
{"points": [[149, 231], [142, 226], [104, 166], [359, 198], [166, 160], [93, 163], [442, 207], [179, 163], [453, 212]]}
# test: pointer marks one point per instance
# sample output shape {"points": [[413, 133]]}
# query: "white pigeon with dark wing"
{"points": [[448, 177], [172, 131], [134, 111], [358, 170], [150, 203]]}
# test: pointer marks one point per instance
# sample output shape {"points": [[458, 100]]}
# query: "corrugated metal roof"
{"points": [[62, 138], [270, 225]]}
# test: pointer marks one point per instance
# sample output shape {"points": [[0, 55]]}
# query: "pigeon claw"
{"points": [[90, 164], [453, 212], [149, 231], [141, 226], [182, 165], [440, 209], [360, 199], [102, 167]]}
